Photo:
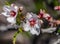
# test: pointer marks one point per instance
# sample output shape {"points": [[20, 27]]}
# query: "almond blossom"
{"points": [[32, 24], [10, 12], [57, 8]]}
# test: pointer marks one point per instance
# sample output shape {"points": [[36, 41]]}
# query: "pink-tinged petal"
{"points": [[57, 7], [40, 15], [12, 5]]}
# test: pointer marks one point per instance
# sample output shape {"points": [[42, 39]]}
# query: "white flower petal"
{"points": [[6, 8], [11, 20], [5, 14], [34, 32], [26, 26]]}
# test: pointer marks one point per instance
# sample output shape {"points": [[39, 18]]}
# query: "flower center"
{"points": [[32, 22], [40, 15], [13, 13]]}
